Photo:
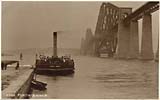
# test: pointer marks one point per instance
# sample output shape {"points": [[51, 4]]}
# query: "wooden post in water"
{"points": [[55, 44]]}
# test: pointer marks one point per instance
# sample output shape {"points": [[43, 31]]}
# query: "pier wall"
{"points": [[19, 88]]}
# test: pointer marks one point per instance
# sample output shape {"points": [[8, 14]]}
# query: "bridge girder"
{"points": [[107, 26], [108, 19], [149, 7]]}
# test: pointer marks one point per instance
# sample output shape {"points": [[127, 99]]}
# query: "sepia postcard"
{"points": [[79, 50]]}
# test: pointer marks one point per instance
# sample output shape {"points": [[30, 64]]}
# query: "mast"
{"points": [[55, 44]]}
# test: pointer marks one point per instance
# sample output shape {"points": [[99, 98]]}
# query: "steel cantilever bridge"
{"points": [[116, 32]]}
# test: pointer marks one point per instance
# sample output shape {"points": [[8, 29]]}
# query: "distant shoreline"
{"points": [[4, 54], [73, 51]]}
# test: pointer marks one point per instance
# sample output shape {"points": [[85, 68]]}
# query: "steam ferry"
{"points": [[54, 65]]}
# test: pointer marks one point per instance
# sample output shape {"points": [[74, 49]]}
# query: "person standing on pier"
{"points": [[17, 67], [2, 65], [21, 56]]}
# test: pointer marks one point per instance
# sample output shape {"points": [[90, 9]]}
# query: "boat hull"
{"points": [[54, 71]]}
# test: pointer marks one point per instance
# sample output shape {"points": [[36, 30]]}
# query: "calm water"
{"points": [[102, 78]]}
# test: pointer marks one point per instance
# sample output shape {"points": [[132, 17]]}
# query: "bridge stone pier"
{"points": [[128, 40], [128, 46], [134, 40], [117, 32], [147, 48], [123, 40], [157, 53], [144, 12]]}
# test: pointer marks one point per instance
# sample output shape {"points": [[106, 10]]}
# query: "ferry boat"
{"points": [[54, 65]]}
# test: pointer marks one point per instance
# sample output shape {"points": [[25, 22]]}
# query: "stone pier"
{"points": [[157, 53], [134, 40], [19, 83], [146, 46], [123, 40]]}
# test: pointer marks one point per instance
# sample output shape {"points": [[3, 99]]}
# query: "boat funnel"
{"points": [[55, 44]]}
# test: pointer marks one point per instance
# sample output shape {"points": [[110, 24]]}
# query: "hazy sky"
{"points": [[30, 24]]}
